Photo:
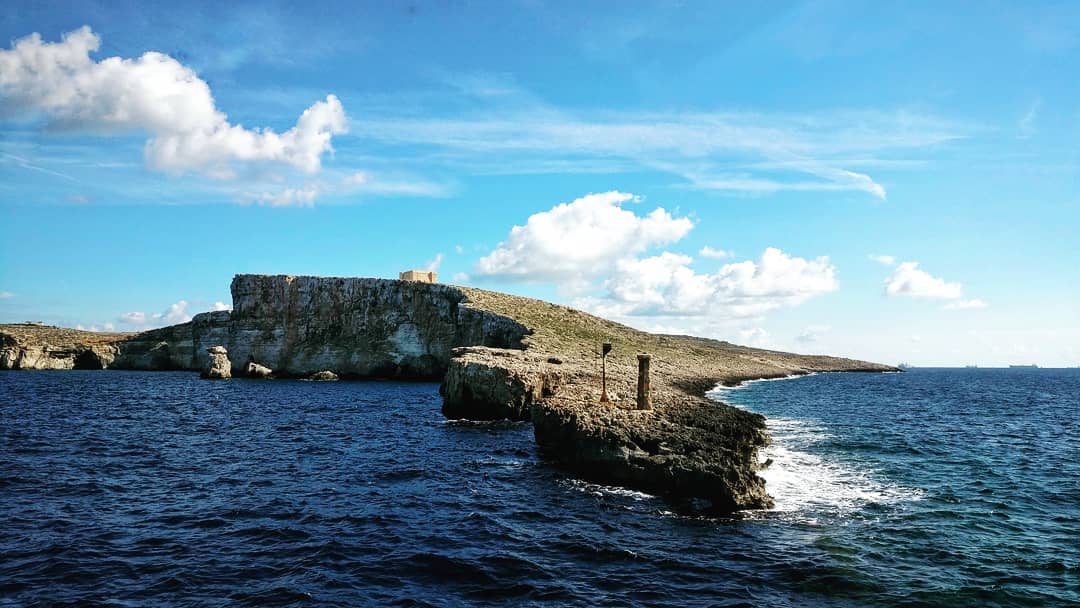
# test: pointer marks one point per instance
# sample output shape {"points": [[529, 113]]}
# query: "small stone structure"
{"points": [[422, 276], [644, 398], [218, 366]]}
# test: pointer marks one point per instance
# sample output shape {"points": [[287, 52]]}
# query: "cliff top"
{"points": [[686, 362], [60, 337]]}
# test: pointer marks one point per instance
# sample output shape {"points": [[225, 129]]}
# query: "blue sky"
{"points": [[892, 181]]}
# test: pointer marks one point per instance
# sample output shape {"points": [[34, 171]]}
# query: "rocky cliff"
{"points": [[36, 346], [358, 328], [498, 356]]}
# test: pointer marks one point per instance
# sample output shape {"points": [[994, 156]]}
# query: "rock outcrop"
{"points": [[324, 376], [495, 384], [684, 449], [254, 370], [218, 366]]}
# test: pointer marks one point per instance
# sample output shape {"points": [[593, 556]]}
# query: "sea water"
{"points": [[928, 488]]}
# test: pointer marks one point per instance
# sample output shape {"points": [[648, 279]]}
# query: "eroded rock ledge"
{"points": [[498, 356]]}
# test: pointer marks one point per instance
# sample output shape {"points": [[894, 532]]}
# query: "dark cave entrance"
{"points": [[87, 359]]}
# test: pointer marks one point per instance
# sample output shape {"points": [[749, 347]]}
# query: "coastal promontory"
{"points": [[498, 356]]}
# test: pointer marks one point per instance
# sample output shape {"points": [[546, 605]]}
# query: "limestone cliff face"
{"points": [[357, 327], [34, 346], [177, 347], [41, 356], [297, 325]]}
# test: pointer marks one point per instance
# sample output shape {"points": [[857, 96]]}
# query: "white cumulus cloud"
{"points": [[175, 313], [665, 285], [156, 94], [909, 280], [884, 260], [6, 294], [179, 312], [579, 240]]}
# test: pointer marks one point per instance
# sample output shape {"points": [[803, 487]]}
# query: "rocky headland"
{"points": [[498, 356]]}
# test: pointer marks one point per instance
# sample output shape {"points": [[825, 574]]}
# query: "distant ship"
{"points": [[904, 366], [971, 367], [1032, 366]]}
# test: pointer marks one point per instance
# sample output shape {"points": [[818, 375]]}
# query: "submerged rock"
{"points": [[323, 376], [218, 367]]}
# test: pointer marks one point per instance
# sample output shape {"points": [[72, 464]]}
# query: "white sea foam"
{"points": [[805, 485], [602, 490]]}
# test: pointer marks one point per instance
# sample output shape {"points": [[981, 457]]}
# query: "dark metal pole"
{"points": [[603, 379]]}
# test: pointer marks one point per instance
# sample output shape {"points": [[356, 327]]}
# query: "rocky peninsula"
{"points": [[497, 356]]}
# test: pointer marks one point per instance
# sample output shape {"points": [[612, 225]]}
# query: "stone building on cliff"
{"points": [[422, 276]]}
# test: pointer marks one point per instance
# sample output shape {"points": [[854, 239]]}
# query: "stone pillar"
{"points": [[218, 366], [644, 398]]}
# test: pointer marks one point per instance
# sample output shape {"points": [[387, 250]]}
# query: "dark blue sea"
{"points": [[928, 488]]}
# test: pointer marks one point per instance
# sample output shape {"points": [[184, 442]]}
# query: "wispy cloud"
{"points": [[974, 304], [26, 164], [434, 263], [343, 187], [723, 151], [709, 252]]}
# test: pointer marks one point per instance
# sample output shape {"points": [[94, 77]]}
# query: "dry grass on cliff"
{"points": [[692, 365], [60, 337]]}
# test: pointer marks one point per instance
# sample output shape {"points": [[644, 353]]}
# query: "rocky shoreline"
{"points": [[498, 356]]}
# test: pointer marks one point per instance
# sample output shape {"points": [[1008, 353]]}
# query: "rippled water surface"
{"points": [[927, 488]]}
